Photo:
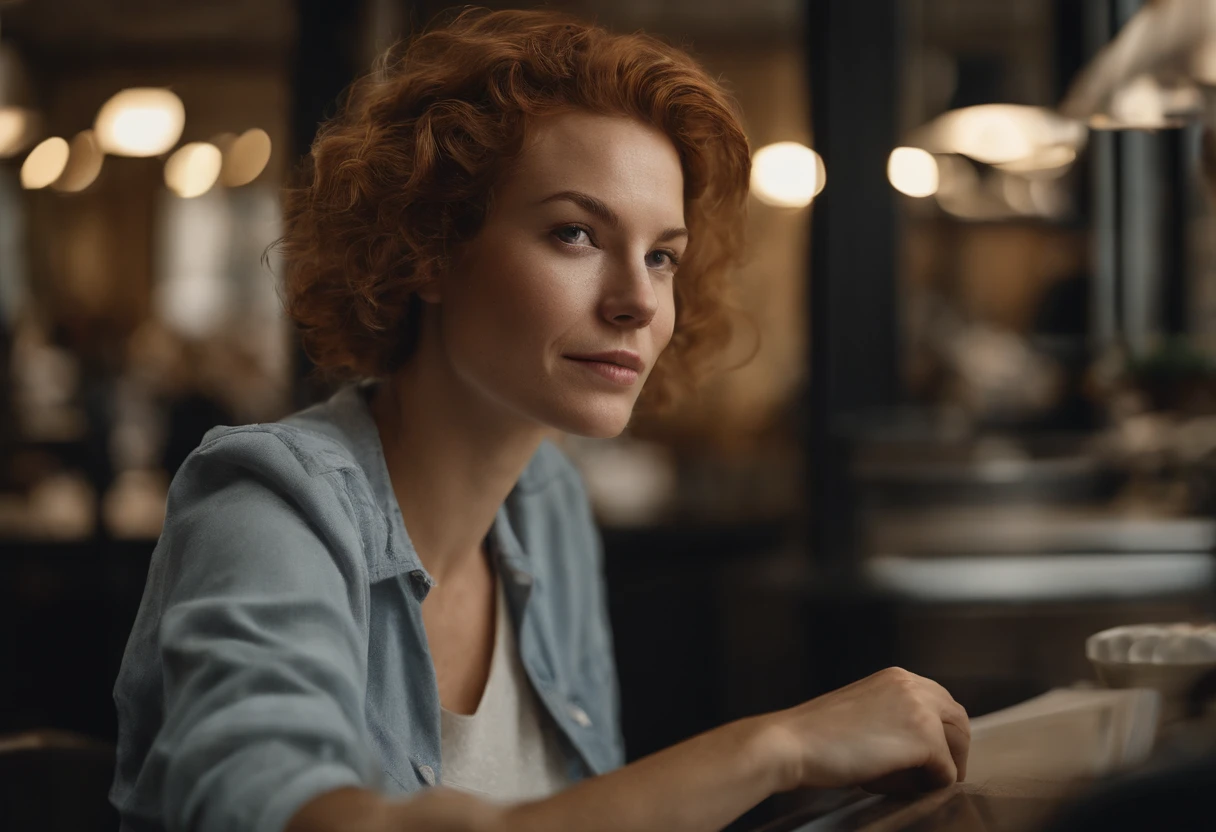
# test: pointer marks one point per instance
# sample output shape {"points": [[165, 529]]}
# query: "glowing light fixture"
{"points": [[1144, 103], [787, 174], [44, 164], [193, 169], [142, 121], [998, 134], [990, 135], [1045, 163], [84, 164], [245, 157], [17, 126], [912, 171], [18, 121]]}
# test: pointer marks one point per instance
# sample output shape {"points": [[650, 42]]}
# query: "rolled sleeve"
{"points": [[262, 640]]}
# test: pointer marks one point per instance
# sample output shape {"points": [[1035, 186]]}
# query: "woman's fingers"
{"points": [[951, 740], [893, 731], [941, 770], [959, 744], [956, 715], [956, 727]]}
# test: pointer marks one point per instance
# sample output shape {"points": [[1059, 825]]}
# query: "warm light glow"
{"points": [[1145, 104], [991, 136], [999, 133], [245, 157], [787, 174], [16, 127], [1047, 162], [193, 169], [84, 164], [912, 171], [1139, 104], [18, 123], [44, 164], [143, 121]]}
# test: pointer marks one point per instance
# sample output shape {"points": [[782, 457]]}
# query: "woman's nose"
{"points": [[629, 296]]}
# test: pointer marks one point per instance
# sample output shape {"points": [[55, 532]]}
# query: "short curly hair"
{"points": [[403, 176]]}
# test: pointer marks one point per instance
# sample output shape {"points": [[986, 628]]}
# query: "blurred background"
{"points": [[980, 426]]}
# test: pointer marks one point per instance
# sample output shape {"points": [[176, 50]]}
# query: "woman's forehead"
{"points": [[609, 156]]}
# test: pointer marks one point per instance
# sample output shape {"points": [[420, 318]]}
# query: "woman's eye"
{"points": [[574, 235], [662, 260]]}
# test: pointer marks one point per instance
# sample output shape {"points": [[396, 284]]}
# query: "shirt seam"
{"points": [[275, 431]]}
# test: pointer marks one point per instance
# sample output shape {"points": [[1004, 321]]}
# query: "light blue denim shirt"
{"points": [[279, 650]]}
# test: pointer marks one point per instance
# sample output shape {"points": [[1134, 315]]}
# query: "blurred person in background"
{"points": [[516, 221]]}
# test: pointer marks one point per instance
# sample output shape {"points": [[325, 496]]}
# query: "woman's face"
{"points": [[563, 302]]}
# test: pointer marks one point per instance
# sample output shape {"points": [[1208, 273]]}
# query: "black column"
{"points": [[854, 82], [1177, 178]]}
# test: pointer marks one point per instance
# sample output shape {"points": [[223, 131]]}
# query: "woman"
{"points": [[506, 228]]}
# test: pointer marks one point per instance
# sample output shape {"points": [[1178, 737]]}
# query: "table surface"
{"points": [[995, 806]]}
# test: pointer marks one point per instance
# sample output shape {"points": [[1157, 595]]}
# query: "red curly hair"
{"points": [[404, 176]]}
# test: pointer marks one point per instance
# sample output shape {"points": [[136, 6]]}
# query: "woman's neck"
{"points": [[452, 459]]}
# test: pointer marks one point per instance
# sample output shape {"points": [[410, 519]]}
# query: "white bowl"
{"points": [[1169, 658]]}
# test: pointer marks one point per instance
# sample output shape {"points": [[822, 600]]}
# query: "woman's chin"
{"points": [[599, 422], [603, 432]]}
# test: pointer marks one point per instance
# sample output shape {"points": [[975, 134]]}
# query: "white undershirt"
{"points": [[507, 750]]}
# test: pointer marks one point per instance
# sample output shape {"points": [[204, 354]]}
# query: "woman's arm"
{"points": [[252, 615], [892, 731]]}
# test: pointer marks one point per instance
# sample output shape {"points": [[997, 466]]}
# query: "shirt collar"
{"points": [[350, 413]]}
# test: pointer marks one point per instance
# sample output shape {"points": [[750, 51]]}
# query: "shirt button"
{"points": [[579, 716], [428, 774], [522, 578]]}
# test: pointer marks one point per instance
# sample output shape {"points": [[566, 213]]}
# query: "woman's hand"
{"points": [[893, 733]]}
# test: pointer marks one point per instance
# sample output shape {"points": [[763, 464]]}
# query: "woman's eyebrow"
{"points": [[600, 210]]}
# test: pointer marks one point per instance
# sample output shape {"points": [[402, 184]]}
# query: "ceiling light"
{"points": [[44, 164], [143, 121], [84, 164], [787, 174], [193, 169], [245, 158], [912, 171]]}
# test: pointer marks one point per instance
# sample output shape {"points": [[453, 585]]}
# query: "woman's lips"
{"points": [[615, 373]]}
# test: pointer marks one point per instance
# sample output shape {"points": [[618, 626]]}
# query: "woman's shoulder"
{"points": [[274, 444], [313, 463], [257, 498], [270, 467], [326, 437]]}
